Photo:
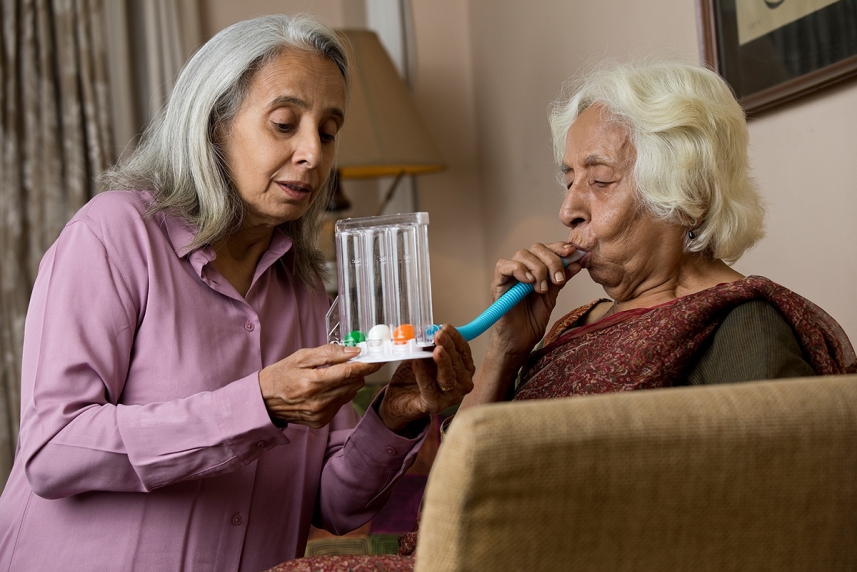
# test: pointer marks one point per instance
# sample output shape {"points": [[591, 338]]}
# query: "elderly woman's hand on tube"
{"points": [[427, 386], [310, 386], [524, 325]]}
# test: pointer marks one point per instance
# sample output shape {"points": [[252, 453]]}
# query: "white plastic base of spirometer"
{"points": [[388, 351]]}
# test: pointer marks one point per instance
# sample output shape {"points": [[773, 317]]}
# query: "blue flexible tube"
{"points": [[503, 304]]}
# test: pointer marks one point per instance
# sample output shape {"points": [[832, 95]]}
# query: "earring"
{"points": [[690, 234]]}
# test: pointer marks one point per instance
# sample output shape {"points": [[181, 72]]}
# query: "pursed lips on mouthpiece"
{"points": [[581, 255]]}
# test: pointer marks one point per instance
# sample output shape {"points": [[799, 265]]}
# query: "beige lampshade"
{"points": [[383, 133]]}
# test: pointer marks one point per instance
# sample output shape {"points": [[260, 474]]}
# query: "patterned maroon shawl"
{"points": [[656, 347], [635, 349]]}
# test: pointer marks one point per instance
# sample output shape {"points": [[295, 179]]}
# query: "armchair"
{"points": [[750, 476]]}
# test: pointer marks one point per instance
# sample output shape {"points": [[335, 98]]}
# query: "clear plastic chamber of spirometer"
{"points": [[384, 300]]}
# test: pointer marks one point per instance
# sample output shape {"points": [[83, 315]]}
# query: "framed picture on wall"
{"points": [[771, 51]]}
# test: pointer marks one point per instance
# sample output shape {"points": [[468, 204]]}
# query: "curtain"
{"points": [[54, 127], [148, 41], [80, 80]]}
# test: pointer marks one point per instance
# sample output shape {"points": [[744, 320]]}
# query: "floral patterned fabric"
{"points": [[408, 541], [656, 347], [347, 563]]}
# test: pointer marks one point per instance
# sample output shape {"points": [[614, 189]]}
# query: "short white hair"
{"points": [[180, 157], [691, 141]]}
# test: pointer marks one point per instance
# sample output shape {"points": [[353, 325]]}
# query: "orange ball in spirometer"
{"points": [[403, 334]]}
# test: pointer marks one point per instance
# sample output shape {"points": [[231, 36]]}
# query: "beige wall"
{"points": [[218, 14], [804, 154], [445, 95], [486, 72], [805, 158], [522, 56]]}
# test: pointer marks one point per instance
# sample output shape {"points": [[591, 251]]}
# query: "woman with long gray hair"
{"points": [[180, 408]]}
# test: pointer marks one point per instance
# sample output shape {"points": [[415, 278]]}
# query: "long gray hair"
{"points": [[179, 158]]}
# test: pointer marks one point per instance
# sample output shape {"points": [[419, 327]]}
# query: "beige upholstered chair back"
{"points": [[754, 476]]}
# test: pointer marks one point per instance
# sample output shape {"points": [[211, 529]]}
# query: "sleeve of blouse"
{"points": [[361, 469], [754, 342], [75, 435]]}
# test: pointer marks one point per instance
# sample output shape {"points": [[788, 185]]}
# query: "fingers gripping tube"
{"points": [[503, 304]]}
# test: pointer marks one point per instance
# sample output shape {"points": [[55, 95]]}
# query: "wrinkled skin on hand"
{"points": [[525, 324], [311, 385], [428, 386]]}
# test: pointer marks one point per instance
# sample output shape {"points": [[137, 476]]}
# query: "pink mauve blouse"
{"points": [[145, 443]]}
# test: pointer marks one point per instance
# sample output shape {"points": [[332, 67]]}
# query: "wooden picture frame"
{"points": [[770, 57]]}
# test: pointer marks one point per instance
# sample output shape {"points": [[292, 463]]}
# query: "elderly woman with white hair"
{"points": [[180, 409], [659, 199]]}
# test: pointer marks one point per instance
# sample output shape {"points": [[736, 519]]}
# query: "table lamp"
{"points": [[383, 135]]}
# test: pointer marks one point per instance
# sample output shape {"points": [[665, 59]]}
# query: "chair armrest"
{"points": [[753, 476]]}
